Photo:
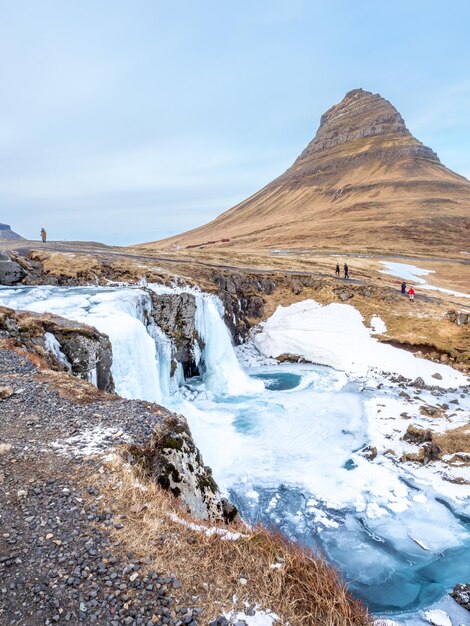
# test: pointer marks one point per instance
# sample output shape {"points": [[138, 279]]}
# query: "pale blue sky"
{"points": [[130, 120]]}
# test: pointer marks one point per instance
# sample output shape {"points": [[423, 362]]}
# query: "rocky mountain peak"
{"points": [[362, 115], [363, 182]]}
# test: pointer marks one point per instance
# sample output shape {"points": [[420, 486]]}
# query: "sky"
{"points": [[126, 121]]}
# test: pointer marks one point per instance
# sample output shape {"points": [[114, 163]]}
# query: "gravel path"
{"points": [[57, 562]]}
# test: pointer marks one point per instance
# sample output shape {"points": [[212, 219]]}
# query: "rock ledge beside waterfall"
{"points": [[55, 429]]}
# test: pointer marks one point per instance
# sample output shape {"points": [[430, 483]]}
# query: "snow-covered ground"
{"points": [[335, 335], [413, 275]]}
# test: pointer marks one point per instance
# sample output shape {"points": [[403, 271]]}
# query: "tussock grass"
{"points": [[303, 591], [454, 440]]}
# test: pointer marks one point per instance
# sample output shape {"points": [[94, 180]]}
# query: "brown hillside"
{"points": [[363, 183]]}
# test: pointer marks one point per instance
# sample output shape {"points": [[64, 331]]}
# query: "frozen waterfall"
{"points": [[142, 353], [220, 368], [122, 314]]}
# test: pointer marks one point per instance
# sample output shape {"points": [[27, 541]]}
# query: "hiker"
{"points": [[337, 270], [411, 293], [403, 288], [43, 235], [346, 270]]}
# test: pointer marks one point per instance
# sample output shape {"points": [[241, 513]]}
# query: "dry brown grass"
{"points": [[455, 440], [304, 591], [67, 264]]}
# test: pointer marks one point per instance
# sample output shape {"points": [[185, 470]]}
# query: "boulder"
{"points": [[459, 317], [428, 452], [419, 383], [173, 461], [461, 594], [6, 392], [369, 452], [417, 435]]}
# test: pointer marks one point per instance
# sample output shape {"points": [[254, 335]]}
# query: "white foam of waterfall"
{"points": [[142, 353], [217, 361], [220, 368], [168, 384]]}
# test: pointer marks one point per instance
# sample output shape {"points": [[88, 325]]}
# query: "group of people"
{"points": [[346, 270], [411, 292]]}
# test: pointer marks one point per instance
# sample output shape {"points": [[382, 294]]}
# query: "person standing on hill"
{"points": [[411, 293], [43, 235], [346, 270], [403, 288], [337, 270]]}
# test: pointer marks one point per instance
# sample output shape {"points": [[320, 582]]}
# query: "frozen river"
{"points": [[287, 442]]}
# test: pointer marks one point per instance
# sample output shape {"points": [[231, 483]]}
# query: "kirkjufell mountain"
{"points": [[7, 233], [363, 183]]}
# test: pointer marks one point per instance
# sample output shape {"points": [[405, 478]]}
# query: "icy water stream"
{"points": [[285, 442]]}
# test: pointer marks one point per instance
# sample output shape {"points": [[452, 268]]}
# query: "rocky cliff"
{"points": [[174, 314], [61, 344], [363, 182]]}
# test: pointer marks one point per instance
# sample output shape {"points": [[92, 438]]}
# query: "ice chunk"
{"points": [[437, 617]]}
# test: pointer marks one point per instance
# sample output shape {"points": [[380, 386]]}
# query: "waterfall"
{"points": [[142, 353], [168, 383], [123, 314], [221, 371], [136, 367]]}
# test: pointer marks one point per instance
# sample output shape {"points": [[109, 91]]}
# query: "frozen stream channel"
{"points": [[285, 441]]}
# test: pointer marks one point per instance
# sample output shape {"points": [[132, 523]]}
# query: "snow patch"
{"points": [[260, 618], [413, 274], [377, 325], [437, 617], [225, 535], [89, 442], [335, 335]]}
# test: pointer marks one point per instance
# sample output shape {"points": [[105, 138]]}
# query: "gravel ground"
{"points": [[57, 562]]}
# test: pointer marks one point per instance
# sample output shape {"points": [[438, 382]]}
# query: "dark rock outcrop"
{"points": [[415, 434], [88, 351], [172, 459], [461, 594], [10, 271], [62, 344], [174, 314]]}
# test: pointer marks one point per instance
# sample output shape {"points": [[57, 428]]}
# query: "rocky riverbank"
{"points": [[89, 534], [57, 561]]}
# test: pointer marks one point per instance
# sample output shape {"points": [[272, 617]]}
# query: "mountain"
{"points": [[363, 183], [7, 233]]}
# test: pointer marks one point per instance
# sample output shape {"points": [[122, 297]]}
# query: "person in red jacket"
{"points": [[411, 293]]}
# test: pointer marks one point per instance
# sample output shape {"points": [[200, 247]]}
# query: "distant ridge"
{"points": [[363, 183], [7, 233]]}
